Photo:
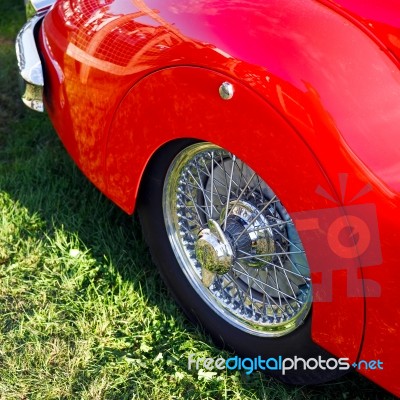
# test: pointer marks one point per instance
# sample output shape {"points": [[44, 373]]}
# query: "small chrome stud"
{"points": [[226, 90]]}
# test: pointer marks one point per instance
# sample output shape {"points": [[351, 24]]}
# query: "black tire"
{"points": [[294, 343]]}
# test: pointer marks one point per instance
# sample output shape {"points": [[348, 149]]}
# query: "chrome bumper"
{"points": [[30, 66], [29, 63]]}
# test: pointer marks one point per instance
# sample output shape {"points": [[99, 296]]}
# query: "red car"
{"points": [[259, 142]]}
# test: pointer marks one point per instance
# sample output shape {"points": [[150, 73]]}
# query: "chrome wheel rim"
{"points": [[235, 242]]}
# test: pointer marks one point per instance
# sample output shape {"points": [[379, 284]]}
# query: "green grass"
{"points": [[83, 314]]}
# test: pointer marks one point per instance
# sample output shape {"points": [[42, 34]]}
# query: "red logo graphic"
{"points": [[342, 238]]}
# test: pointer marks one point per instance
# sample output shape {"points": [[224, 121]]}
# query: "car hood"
{"points": [[379, 17]]}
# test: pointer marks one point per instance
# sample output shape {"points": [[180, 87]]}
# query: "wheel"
{"points": [[229, 252]]}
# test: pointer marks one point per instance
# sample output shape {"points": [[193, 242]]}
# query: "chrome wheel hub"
{"points": [[213, 250], [246, 232], [235, 242], [250, 232]]}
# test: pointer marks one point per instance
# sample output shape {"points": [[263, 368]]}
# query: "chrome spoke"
{"points": [[196, 207], [229, 192], [212, 179], [205, 192], [243, 191], [290, 242], [259, 283], [270, 225], [307, 280], [253, 220], [268, 255], [283, 270], [273, 264], [200, 186]]}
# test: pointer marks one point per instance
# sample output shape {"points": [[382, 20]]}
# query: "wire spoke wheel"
{"points": [[235, 242]]}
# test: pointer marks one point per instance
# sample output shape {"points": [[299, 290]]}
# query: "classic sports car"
{"points": [[259, 143]]}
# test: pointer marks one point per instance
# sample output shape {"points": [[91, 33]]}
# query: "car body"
{"points": [[306, 93]]}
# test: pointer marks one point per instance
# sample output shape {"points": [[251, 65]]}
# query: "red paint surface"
{"points": [[381, 18], [315, 97]]}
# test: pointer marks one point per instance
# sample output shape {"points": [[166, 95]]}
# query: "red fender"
{"points": [[184, 102]]}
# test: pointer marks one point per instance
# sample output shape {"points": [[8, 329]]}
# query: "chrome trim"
{"points": [[33, 7], [30, 65], [226, 91]]}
